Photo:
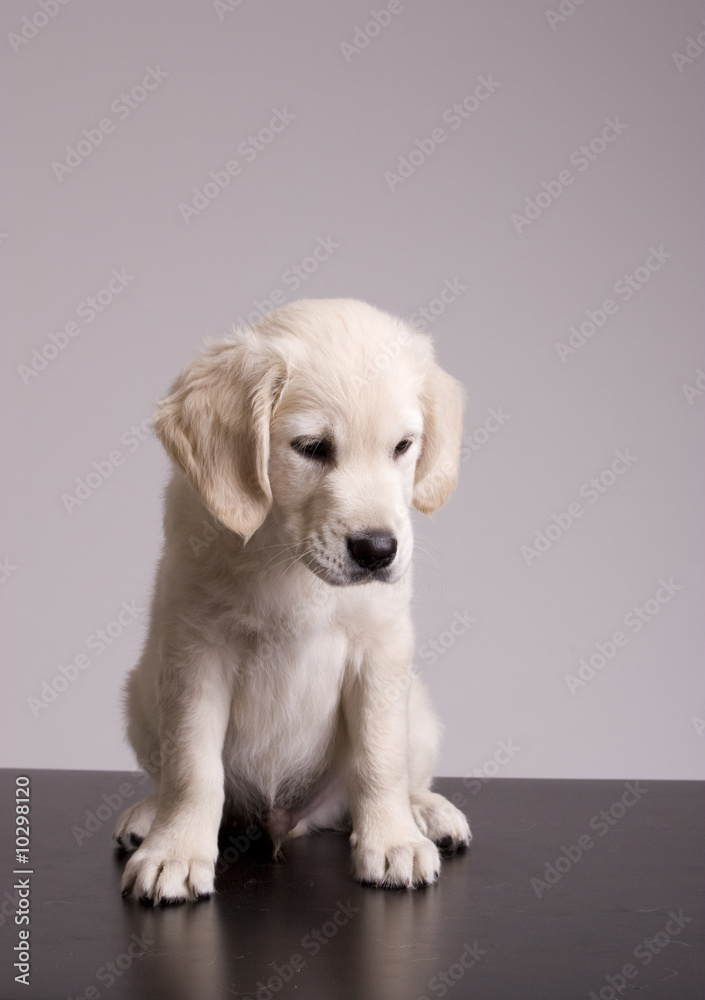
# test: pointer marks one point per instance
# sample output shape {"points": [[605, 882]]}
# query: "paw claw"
{"points": [[408, 863], [156, 876]]}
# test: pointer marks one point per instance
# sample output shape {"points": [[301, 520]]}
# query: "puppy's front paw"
{"points": [[396, 862], [158, 875]]}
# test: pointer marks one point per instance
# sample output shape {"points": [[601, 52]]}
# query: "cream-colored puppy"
{"points": [[276, 683]]}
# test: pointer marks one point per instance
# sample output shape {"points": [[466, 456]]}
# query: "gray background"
{"points": [[500, 685]]}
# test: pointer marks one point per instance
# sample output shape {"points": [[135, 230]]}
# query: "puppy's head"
{"points": [[329, 419]]}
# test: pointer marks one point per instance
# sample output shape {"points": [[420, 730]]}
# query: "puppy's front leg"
{"points": [[176, 860], [388, 847]]}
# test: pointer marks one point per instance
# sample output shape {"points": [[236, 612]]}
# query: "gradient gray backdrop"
{"points": [[353, 95]]}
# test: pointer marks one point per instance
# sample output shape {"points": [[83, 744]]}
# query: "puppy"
{"points": [[276, 683]]}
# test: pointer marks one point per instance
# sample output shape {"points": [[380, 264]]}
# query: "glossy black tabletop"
{"points": [[571, 889]]}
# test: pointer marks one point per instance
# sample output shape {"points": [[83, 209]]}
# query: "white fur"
{"points": [[276, 682]]}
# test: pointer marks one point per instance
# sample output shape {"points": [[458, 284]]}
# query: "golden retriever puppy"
{"points": [[276, 683]]}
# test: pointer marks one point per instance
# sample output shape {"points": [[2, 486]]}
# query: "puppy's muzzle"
{"points": [[372, 550]]}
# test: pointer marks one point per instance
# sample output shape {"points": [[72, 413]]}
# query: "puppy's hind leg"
{"points": [[135, 823], [436, 817]]}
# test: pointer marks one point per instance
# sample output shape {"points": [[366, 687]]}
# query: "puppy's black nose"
{"points": [[373, 550]]}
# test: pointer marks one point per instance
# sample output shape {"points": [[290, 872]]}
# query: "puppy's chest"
{"points": [[286, 693]]}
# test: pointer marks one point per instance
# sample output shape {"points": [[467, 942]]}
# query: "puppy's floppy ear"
{"points": [[215, 425], [442, 402]]}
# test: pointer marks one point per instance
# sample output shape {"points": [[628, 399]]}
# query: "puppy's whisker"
{"points": [[278, 546], [276, 559], [290, 560], [420, 542], [283, 560], [428, 557], [286, 550]]}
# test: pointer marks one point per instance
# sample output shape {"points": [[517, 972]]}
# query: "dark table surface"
{"points": [[571, 889]]}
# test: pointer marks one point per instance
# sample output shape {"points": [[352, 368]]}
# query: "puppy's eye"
{"points": [[319, 450], [402, 447]]}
